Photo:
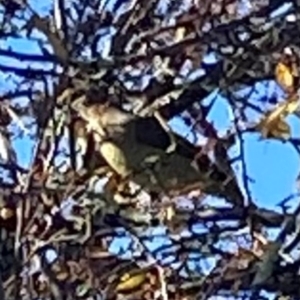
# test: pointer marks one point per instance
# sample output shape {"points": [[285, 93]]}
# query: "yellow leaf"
{"points": [[6, 213], [273, 125], [284, 76], [282, 131], [292, 106], [169, 213], [282, 110], [179, 34], [129, 282], [278, 129]]}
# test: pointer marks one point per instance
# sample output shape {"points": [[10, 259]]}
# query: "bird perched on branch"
{"points": [[135, 148]]}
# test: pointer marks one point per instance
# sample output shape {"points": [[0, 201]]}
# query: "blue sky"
{"points": [[273, 165]]}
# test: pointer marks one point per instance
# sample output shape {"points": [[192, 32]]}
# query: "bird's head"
{"points": [[103, 119], [107, 114]]}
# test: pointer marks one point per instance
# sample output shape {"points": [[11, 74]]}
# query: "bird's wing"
{"points": [[131, 139], [149, 131]]}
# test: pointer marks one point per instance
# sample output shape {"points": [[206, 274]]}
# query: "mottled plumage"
{"points": [[135, 148]]}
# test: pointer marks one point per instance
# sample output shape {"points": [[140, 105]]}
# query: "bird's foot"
{"points": [[171, 148], [173, 144]]}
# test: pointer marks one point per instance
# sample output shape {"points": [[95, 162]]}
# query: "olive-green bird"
{"points": [[135, 148]]}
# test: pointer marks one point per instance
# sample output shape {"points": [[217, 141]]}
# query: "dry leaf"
{"points": [[129, 282], [82, 290], [283, 109], [97, 252], [278, 129], [284, 76], [6, 213], [61, 276], [273, 124], [291, 106], [179, 34], [169, 213]]}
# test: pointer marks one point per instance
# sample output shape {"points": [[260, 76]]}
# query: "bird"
{"points": [[135, 149]]}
